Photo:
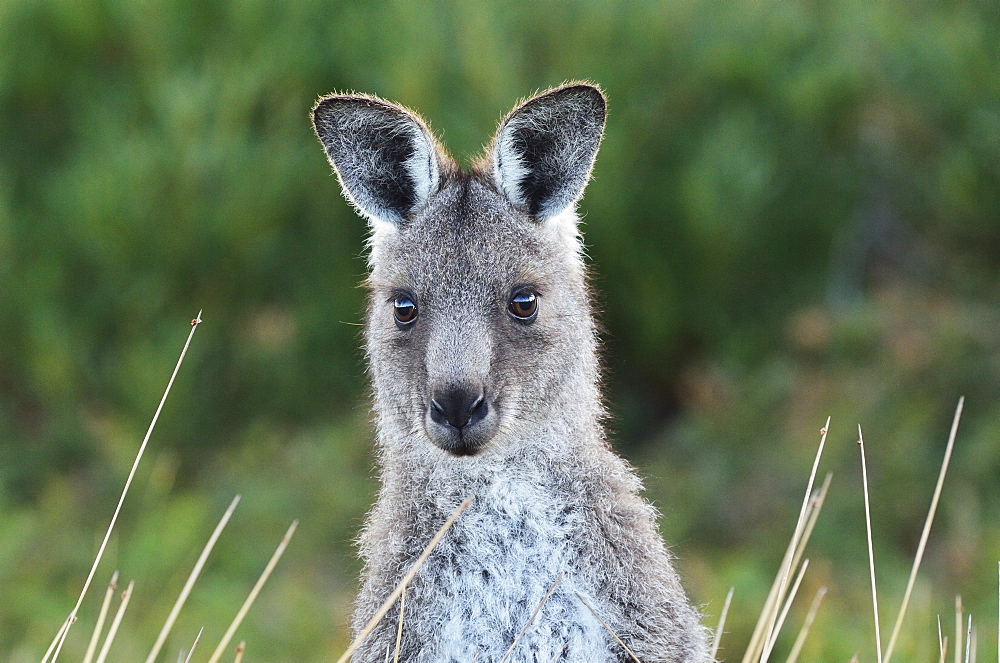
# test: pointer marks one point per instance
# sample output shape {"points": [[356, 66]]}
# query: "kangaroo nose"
{"points": [[458, 407]]}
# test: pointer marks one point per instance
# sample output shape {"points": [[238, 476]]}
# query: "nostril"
{"points": [[457, 407], [477, 404]]}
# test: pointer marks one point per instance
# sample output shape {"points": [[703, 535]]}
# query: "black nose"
{"points": [[458, 407]]}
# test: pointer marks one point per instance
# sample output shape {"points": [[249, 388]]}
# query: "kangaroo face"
{"points": [[479, 321], [468, 322]]}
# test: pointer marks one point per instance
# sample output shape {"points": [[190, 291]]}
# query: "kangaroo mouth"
{"points": [[467, 439]]}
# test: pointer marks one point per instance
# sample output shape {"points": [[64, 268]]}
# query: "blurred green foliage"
{"points": [[794, 214]]}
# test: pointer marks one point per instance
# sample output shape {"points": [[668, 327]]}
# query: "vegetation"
{"points": [[794, 215]]}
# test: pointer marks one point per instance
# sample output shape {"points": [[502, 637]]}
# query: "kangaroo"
{"points": [[482, 352]]}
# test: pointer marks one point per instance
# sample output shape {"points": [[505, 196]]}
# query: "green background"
{"points": [[794, 214]]}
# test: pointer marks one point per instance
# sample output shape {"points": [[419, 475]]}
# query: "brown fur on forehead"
{"points": [[467, 234]]}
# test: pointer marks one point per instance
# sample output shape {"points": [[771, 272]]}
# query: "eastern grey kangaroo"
{"points": [[482, 351]]}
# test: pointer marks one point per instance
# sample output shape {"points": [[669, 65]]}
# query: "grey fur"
{"points": [[550, 494]]}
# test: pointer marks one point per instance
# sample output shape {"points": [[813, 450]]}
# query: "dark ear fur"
{"points": [[386, 159], [544, 151]]}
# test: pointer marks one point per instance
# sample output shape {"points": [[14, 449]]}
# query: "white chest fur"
{"points": [[493, 570]]}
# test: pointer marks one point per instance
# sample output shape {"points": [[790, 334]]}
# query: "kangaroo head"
{"points": [[479, 324]]}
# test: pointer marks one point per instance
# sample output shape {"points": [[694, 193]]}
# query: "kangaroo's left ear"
{"points": [[544, 150]]}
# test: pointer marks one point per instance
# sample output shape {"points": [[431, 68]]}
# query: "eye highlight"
{"points": [[523, 305], [404, 310]]}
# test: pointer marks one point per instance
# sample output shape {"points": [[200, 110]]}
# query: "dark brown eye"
{"points": [[523, 305], [404, 310]]}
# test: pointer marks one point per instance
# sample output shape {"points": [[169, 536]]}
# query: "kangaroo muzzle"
{"points": [[459, 417]]}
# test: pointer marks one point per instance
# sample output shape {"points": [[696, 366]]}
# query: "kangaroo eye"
{"points": [[523, 305], [404, 310]]}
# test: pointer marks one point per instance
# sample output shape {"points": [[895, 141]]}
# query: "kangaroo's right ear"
{"points": [[385, 157]]}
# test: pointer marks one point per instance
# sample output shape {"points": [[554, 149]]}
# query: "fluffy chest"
{"points": [[494, 569]]}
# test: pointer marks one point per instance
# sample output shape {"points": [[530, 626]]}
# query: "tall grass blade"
{"points": [[784, 610], [121, 500], [405, 581], [532, 618], [871, 554], [116, 622], [102, 615], [800, 640], [769, 614], [253, 593], [958, 628], [722, 624], [926, 531], [608, 628], [399, 630], [187, 659], [186, 590]]}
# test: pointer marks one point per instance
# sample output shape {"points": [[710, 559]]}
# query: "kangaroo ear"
{"points": [[385, 157], [544, 150]]}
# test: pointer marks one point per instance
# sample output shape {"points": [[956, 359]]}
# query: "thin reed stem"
{"points": [[968, 640], [399, 630], [405, 581], [102, 615], [722, 624], [532, 618], [940, 640], [187, 659], [192, 577], [609, 629], [769, 614], [784, 610], [253, 593], [121, 500], [871, 554], [800, 639], [116, 622], [958, 628], [240, 648], [926, 531]]}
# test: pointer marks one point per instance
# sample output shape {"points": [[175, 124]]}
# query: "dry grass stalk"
{"points": [[765, 622], [940, 639], [64, 631], [968, 640], [556, 657], [926, 531], [800, 639], [102, 615], [187, 659], [186, 590], [56, 640], [784, 611], [238, 619], [871, 554], [242, 647], [796, 544], [815, 506], [405, 581], [399, 630], [722, 624], [609, 629], [532, 618], [958, 628], [116, 622]]}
